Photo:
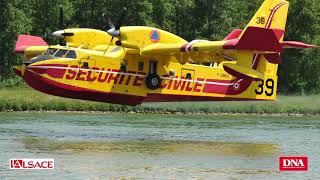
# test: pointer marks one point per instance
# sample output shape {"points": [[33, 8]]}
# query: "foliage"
{"points": [[190, 19], [300, 71], [14, 82], [13, 22]]}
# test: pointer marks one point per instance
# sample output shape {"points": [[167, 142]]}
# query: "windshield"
{"points": [[61, 53], [50, 51], [71, 54]]}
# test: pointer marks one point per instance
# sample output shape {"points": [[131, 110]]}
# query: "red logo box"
{"points": [[31, 163], [293, 163]]}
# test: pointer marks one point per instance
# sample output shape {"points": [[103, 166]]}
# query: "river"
{"points": [[100, 146]]}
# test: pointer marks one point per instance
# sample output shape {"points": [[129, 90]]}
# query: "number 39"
{"points": [[269, 87], [261, 20]]}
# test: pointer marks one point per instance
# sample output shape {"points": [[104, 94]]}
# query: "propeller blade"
{"points": [[61, 25], [61, 18], [108, 21], [114, 31], [124, 11]]}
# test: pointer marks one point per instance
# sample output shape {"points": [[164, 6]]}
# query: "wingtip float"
{"points": [[132, 65]]}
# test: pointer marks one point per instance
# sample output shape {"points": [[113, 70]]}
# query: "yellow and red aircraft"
{"points": [[145, 64]]}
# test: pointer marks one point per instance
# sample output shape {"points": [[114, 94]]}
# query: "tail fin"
{"points": [[265, 30], [263, 34], [271, 15]]}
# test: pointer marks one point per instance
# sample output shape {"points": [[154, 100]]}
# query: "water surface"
{"points": [[94, 146]]}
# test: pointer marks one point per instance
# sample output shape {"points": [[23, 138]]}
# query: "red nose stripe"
{"points": [[52, 70]]}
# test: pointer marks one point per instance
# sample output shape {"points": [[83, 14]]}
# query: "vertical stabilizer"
{"points": [[271, 15]]}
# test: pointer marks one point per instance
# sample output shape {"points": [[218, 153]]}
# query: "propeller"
{"points": [[108, 21], [114, 30], [61, 26]]}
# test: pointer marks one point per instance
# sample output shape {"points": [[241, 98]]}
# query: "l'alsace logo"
{"points": [[293, 163], [31, 163]]}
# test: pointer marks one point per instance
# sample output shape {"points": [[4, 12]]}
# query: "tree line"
{"points": [[190, 19]]}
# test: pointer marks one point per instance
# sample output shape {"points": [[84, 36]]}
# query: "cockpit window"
{"points": [[61, 53], [50, 51], [71, 54]]}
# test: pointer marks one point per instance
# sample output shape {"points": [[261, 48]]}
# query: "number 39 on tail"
{"points": [[132, 65]]}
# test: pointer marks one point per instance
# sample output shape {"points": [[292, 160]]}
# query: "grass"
{"points": [[26, 99]]}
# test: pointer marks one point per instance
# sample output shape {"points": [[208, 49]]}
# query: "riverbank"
{"points": [[26, 100]]}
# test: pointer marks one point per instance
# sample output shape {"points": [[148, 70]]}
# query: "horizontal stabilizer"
{"points": [[297, 45], [242, 72], [258, 39], [26, 41], [233, 35]]}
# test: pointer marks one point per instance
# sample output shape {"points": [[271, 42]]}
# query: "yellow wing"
{"points": [[192, 47]]}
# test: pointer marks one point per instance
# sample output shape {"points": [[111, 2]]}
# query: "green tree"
{"points": [[88, 13], [45, 16], [12, 23], [300, 70], [139, 12], [164, 14]]}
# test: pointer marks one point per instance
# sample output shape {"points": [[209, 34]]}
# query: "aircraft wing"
{"points": [[30, 46], [253, 39], [161, 48], [259, 40], [194, 46], [26, 41]]}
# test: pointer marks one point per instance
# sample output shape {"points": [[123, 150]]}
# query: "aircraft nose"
{"points": [[19, 70]]}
